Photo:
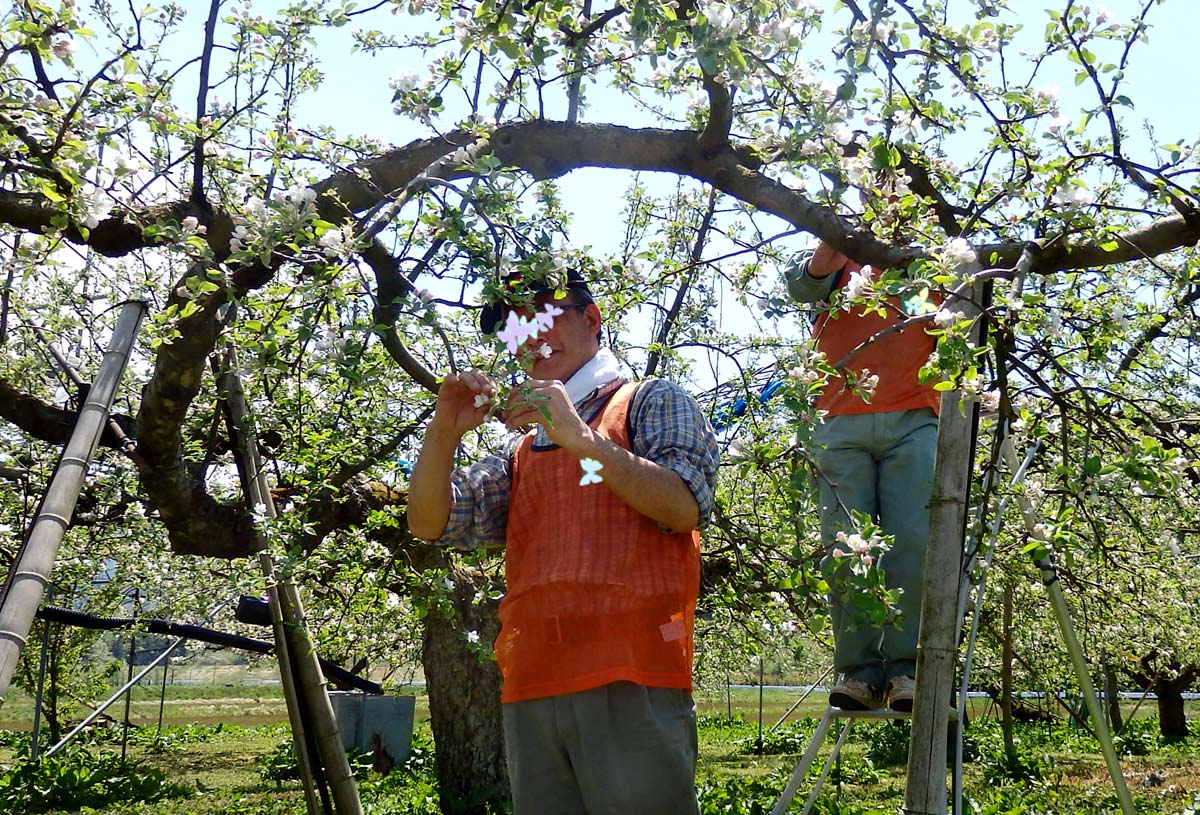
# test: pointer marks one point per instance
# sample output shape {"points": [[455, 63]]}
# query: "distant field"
{"points": [[253, 696], [224, 764]]}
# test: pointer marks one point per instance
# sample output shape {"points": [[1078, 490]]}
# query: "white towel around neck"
{"points": [[596, 372]]}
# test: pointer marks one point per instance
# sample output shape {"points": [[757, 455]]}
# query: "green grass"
{"points": [[1061, 770]]}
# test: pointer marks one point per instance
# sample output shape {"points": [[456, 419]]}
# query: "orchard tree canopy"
{"points": [[188, 156], [211, 159], [165, 151]]}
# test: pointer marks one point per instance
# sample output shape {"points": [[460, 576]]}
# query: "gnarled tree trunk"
{"points": [[464, 700], [1172, 720], [1167, 678]]}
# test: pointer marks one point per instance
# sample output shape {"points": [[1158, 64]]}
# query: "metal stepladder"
{"points": [[976, 555], [972, 555], [818, 739], [956, 713]]}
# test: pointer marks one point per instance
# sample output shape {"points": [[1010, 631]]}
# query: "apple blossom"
{"points": [[858, 285]]}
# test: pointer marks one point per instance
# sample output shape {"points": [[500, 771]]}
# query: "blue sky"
{"points": [[357, 99]]}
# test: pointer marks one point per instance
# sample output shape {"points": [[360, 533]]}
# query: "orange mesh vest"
{"points": [[896, 358], [597, 592]]}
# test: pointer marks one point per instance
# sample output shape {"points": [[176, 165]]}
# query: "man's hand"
{"points": [[458, 410], [825, 261], [532, 402]]}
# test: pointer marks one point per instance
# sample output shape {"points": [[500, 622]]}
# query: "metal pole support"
{"points": [[32, 573]]}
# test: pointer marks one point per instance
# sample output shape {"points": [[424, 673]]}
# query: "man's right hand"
{"points": [[825, 261], [457, 411]]}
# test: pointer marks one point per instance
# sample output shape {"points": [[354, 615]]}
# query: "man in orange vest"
{"points": [[598, 508], [873, 456]]}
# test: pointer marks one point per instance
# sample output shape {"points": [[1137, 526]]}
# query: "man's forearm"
{"points": [[655, 491], [429, 486]]}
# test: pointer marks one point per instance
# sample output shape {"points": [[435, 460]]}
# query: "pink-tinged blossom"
{"points": [[192, 226], [1047, 94], [1057, 124], [864, 550], [869, 385], [545, 317], [517, 330], [990, 400], [545, 351], [63, 49], [805, 376]]}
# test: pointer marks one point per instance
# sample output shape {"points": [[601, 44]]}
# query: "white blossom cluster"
{"points": [[974, 389], [807, 370], [956, 253], [261, 220], [864, 550]]}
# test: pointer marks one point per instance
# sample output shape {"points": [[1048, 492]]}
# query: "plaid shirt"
{"points": [[667, 426]]}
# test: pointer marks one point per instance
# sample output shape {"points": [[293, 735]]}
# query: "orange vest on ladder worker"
{"points": [[597, 592], [896, 358]]}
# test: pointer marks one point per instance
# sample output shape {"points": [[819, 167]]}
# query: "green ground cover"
{"points": [[198, 767]]}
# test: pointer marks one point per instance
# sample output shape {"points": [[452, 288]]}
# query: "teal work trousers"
{"points": [[880, 464]]}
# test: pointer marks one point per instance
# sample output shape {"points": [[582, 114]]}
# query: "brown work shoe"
{"points": [[854, 694], [900, 692]]}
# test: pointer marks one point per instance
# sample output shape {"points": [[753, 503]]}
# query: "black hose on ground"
{"points": [[332, 671]]}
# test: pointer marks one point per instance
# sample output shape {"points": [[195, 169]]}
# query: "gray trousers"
{"points": [[620, 749], [880, 464]]}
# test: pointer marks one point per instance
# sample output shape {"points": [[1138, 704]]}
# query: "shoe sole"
{"points": [[846, 702]]}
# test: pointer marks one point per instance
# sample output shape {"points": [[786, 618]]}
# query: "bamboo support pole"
{"points": [[235, 403], [306, 671], [1066, 628], [31, 574]]}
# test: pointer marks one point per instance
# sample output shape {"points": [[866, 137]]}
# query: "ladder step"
{"points": [[877, 715]]}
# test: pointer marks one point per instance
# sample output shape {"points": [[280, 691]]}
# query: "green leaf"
{"points": [[510, 48], [51, 192], [944, 385]]}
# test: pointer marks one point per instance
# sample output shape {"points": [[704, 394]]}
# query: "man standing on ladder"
{"points": [[875, 457], [597, 508]]}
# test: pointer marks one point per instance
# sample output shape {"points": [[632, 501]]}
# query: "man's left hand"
{"points": [[538, 399]]}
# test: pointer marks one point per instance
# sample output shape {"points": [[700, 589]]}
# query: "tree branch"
{"points": [[46, 422], [669, 320], [551, 149]]}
